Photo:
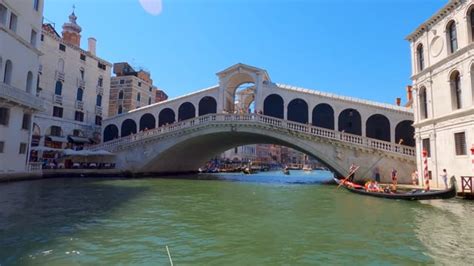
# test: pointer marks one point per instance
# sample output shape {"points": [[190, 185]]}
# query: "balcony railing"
{"points": [[58, 99], [81, 83], [60, 75], [99, 90], [80, 105], [98, 110], [22, 97]]}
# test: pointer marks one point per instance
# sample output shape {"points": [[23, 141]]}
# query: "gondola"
{"points": [[417, 194]]}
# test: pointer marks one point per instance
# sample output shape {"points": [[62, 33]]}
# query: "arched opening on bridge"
{"points": [[207, 105], [166, 117], [129, 127], [274, 106], [404, 133], [350, 122], [245, 98], [147, 121], [186, 111], [110, 132], [234, 82], [323, 116], [378, 127], [298, 111]]}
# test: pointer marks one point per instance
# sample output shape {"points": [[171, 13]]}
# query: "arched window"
{"points": [[165, 117], [452, 37], [207, 105], [404, 133], [471, 23], [455, 82], [298, 111], [82, 73], [378, 127], [1, 65], [119, 109], [349, 121], [149, 100], [59, 88], [80, 94], [147, 121], [138, 97], [129, 127], [29, 82], [186, 111], [421, 57], [61, 65], [120, 96], [98, 100], [323, 116], [110, 132], [423, 103], [7, 76], [273, 106]]}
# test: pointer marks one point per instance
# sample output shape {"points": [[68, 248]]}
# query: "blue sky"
{"points": [[349, 47]]}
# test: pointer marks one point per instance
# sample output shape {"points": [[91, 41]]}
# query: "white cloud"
{"points": [[153, 7]]}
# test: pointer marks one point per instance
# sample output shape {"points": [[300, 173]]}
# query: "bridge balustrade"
{"points": [[307, 129]]}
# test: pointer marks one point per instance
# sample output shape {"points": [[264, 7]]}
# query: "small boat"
{"points": [[416, 194], [307, 168], [286, 171], [248, 171]]}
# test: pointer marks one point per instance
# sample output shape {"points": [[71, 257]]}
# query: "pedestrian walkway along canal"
{"points": [[263, 219]]}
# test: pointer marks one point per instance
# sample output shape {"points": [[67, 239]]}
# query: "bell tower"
{"points": [[72, 31]]}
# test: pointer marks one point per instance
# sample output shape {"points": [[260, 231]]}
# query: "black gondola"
{"points": [[417, 194]]}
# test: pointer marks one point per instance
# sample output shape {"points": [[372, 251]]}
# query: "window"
{"points": [[149, 100], [77, 133], [452, 37], [13, 22], [101, 66], [61, 65], [2, 146], [7, 76], [36, 4], [80, 94], [460, 143], [98, 100], [122, 81], [456, 90], [22, 148], [421, 58], [100, 82], [59, 88], [62, 47], [57, 111], [98, 120], [4, 116], [425, 145], [79, 116], [3, 14], [120, 109], [139, 84], [29, 82], [138, 97], [33, 38], [151, 88], [471, 23], [120, 96], [56, 131], [82, 73], [423, 103], [82, 57], [26, 122], [42, 37]]}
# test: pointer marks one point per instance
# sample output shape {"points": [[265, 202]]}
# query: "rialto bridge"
{"points": [[246, 107]]}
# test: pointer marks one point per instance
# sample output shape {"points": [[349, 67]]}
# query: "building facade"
{"points": [[442, 52], [20, 29], [131, 89], [74, 84]]}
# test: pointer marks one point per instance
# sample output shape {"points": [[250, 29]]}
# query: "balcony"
{"points": [[59, 75], [80, 105], [98, 110], [21, 97], [99, 90], [58, 99], [81, 83]]}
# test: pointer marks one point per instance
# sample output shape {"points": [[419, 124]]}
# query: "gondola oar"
{"points": [[350, 173]]}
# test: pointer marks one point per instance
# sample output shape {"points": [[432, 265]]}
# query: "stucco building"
{"points": [[74, 84], [442, 52], [20, 28]]}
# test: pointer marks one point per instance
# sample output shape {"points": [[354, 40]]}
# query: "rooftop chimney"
{"points": [[92, 46], [409, 93], [399, 101]]}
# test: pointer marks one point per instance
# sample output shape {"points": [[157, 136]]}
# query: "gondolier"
{"points": [[352, 171]]}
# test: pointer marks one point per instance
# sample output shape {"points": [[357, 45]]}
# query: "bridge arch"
{"points": [[111, 132], [129, 127], [378, 127], [274, 106], [147, 121], [298, 111], [166, 116], [404, 133], [323, 116], [207, 105], [350, 122], [186, 111]]}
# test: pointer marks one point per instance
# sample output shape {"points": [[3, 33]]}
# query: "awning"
{"points": [[78, 140], [43, 148], [56, 139]]}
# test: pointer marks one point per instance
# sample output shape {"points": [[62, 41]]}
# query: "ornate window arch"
{"points": [[452, 36]]}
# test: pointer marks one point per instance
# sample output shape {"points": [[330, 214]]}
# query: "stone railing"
{"points": [[260, 120], [20, 96]]}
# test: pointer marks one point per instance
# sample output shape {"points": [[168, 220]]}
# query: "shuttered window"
{"points": [[460, 143]]}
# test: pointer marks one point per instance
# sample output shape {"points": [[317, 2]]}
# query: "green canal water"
{"points": [[264, 219]]}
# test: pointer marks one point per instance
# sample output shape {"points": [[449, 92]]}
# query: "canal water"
{"points": [[263, 219]]}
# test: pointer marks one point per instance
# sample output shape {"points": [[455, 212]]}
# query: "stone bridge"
{"points": [[181, 134]]}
